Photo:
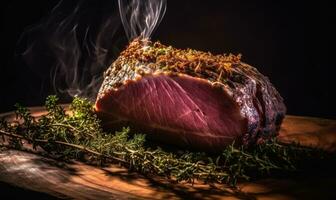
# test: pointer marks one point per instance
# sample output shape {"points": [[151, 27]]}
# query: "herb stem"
{"points": [[13, 135], [73, 129]]}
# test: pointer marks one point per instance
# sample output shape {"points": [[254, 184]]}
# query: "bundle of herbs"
{"points": [[77, 134]]}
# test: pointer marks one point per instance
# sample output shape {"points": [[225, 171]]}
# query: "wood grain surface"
{"points": [[77, 180]]}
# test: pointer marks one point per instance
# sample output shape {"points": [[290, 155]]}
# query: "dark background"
{"points": [[289, 41]]}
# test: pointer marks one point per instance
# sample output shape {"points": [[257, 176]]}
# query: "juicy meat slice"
{"points": [[180, 110], [189, 98]]}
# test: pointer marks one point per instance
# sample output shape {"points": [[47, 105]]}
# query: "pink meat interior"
{"points": [[177, 110]]}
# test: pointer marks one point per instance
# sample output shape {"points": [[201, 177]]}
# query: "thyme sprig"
{"points": [[78, 135]]}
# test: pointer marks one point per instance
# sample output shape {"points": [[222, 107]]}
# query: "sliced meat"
{"points": [[189, 98]]}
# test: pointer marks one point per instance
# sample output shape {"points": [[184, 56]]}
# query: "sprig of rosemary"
{"points": [[78, 135]]}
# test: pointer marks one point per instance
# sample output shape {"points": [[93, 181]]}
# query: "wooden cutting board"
{"points": [[81, 181]]}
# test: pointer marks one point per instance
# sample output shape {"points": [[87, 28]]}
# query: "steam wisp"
{"points": [[141, 17], [75, 45]]}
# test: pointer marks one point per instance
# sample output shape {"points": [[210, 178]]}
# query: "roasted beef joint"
{"points": [[189, 98]]}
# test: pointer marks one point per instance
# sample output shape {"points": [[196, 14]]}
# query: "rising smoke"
{"points": [[140, 18], [79, 41]]}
